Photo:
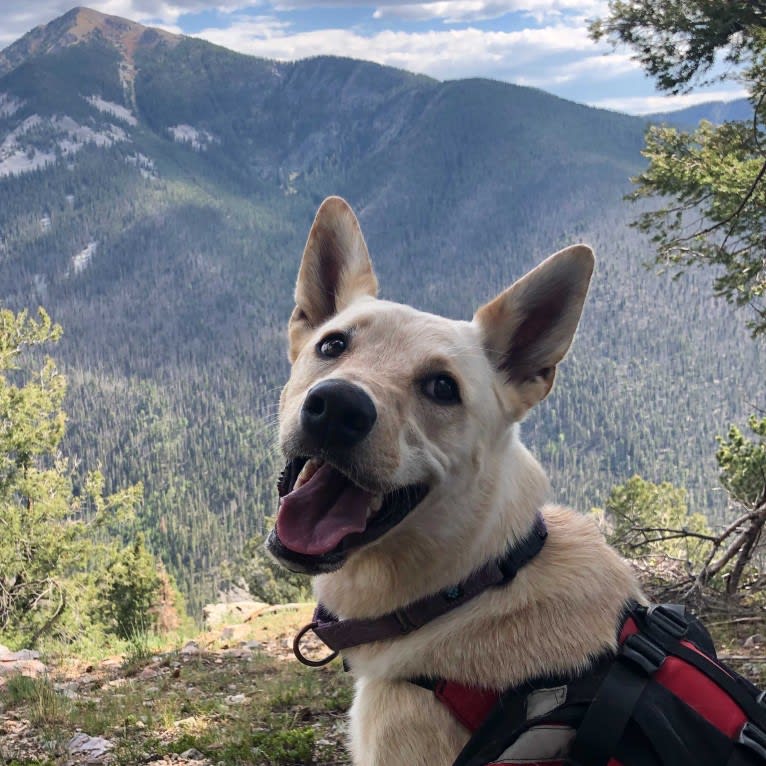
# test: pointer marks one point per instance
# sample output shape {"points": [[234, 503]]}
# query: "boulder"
{"points": [[25, 662], [229, 613]]}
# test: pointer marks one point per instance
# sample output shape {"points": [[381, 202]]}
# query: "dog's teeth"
{"points": [[375, 505], [311, 467]]}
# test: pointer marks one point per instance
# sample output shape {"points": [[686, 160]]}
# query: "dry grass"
{"points": [[230, 704]]}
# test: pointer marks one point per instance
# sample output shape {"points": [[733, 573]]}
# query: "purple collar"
{"points": [[343, 634]]}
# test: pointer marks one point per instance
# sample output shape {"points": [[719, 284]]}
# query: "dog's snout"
{"points": [[336, 414]]}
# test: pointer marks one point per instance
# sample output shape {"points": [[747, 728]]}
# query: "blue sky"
{"points": [[542, 43]]}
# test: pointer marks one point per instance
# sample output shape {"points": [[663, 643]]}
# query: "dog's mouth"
{"points": [[323, 515]]}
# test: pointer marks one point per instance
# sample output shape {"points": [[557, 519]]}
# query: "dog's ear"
{"points": [[335, 271], [528, 328]]}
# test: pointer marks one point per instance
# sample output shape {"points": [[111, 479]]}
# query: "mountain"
{"points": [[82, 25], [155, 196], [716, 112]]}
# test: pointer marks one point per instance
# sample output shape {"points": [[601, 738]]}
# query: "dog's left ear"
{"points": [[528, 328], [335, 271]]}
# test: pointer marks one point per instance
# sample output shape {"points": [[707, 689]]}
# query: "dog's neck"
{"points": [[492, 505], [576, 574], [567, 600]]}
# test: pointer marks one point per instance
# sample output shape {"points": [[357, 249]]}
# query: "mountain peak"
{"points": [[81, 25]]}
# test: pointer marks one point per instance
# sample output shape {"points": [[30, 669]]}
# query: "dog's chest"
{"points": [[397, 722]]}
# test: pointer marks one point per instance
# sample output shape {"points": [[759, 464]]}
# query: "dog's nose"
{"points": [[337, 413]]}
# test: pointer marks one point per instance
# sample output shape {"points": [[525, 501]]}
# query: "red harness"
{"points": [[469, 705], [665, 665]]}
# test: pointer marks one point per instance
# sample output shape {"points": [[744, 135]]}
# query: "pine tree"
{"points": [[57, 545], [711, 182]]}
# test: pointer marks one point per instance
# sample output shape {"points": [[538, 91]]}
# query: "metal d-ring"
{"points": [[302, 657]]}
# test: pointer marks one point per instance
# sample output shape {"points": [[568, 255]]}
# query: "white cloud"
{"points": [[443, 53], [452, 10], [597, 68], [456, 11], [650, 104]]}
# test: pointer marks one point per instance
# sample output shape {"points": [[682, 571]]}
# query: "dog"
{"points": [[401, 432]]}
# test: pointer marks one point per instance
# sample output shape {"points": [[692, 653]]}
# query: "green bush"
{"points": [[266, 579]]}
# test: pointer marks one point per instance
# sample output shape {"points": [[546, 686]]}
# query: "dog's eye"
{"points": [[442, 389], [332, 345]]}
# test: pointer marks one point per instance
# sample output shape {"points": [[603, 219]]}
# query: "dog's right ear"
{"points": [[335, 271]]}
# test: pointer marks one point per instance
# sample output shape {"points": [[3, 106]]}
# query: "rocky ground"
{"points": [[233, 695]]}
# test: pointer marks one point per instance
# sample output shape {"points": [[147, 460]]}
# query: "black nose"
{"points": [[337, 414]]}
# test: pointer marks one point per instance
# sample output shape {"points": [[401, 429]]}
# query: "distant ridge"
{"points": [[716, 112]]}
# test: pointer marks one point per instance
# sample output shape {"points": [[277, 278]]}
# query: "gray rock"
{"points": [[68, 690], [30, 668], [192, 754], [87, 749], [22, 654]]}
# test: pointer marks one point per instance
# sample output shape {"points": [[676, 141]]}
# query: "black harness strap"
{"points": [[509, 715], [604, 723], [637, 661]]}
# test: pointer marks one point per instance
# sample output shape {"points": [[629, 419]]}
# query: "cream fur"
{"points": [[485, 488]]}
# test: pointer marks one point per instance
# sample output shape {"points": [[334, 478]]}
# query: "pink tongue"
{"points": [[314, 518]]}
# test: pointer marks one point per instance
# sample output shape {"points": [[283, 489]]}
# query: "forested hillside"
{"points": [[155, 195]]}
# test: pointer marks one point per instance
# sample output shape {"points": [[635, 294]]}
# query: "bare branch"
{"points": [[673, 534]]}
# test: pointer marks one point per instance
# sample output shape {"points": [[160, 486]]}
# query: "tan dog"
{"points": [[417, 477]]}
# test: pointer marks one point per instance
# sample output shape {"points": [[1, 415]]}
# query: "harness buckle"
{"points": [[753, 738], [666, 619], [643, 652]]}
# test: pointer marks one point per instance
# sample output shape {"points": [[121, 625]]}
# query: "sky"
{"points": [[540, 43]]}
